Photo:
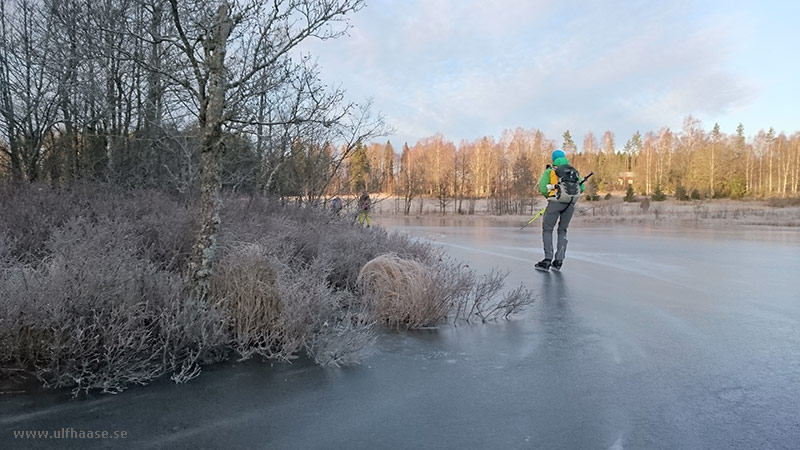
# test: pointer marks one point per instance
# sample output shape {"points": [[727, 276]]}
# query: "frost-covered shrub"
{"points": [[31, 214], [300, 235], [334, 326], [93, 315], [94, 293]]}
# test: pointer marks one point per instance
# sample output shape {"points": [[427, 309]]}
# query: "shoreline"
{"points": [[612, 212]]}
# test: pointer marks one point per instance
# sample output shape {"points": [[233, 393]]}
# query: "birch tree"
{"points": [[795, 143], [589, 144], [233, 53], [716, 141], [770, 157]]}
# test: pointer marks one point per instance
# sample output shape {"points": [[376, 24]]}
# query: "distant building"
{"points": [[625, 178]]}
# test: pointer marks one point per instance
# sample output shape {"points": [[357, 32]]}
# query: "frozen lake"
{"points": [[650, 338]]}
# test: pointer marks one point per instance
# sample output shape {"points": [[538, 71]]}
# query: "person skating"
{"points": [[336, 205], [364, 205], [561, 184]]}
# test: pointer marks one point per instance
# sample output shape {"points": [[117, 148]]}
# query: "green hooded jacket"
{"points": [[547, 178]]}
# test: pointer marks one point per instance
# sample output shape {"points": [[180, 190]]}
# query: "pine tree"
{"points": [[569, 145], [388, 168], [359, 168], [658, 194], [632, 148], [629, 195], [680, 193]]}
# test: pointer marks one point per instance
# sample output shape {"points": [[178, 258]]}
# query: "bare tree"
{"points": [[237, 53], [411, 176], [27, 89], [589, 143]]}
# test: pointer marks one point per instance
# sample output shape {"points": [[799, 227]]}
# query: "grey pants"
{"points": [[561, 213]]}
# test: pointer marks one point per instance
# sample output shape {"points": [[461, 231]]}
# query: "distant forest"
{"points": [[689, 163]]}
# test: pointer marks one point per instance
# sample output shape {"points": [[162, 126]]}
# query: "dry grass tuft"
{"points": [[403, 292], [245, 286], [408, 294]]}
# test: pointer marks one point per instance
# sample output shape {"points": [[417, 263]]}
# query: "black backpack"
{"points": [[568, 188], [365, 203]]}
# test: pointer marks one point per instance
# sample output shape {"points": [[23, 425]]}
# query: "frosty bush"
{"points": [[92, 315], [94, 294], [276, 310]]}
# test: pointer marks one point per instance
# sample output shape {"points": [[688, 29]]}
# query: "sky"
{"points": [[474, 68]]}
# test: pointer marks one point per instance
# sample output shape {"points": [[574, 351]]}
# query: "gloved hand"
{"points": [[550, 187]]}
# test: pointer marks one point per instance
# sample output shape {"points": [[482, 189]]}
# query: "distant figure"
{"points": [[364, 205], [562, 185], [336, 205]]}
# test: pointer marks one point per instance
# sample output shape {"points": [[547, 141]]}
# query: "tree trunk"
{"points": [[205, 246], [648, 189], [153, 108], [769, 178], [711, 185], [796, 178], [748, 174]]}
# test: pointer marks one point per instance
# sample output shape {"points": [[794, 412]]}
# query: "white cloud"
{"points": [[475, 67]]}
